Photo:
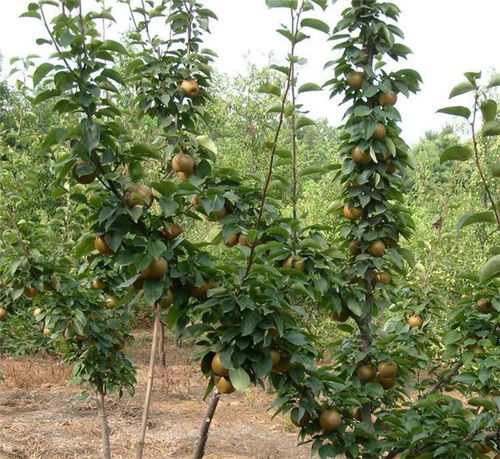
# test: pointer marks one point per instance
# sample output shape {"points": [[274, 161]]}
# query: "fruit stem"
{"points": [[103, 417], [205, 426], [149, 386]]}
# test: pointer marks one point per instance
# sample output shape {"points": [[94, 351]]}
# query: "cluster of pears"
{"points": [[29, 292], [280, 364], [385, 374], [355, 81]]}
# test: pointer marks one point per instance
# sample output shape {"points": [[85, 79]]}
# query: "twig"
{"points": [[444, 379], [273, 152], [478, 162]]}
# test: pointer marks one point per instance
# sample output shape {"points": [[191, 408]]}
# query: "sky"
{"points": [[448, 38]]}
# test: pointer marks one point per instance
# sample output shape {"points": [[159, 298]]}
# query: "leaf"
{"points": [[456, 153], [452, 337], [315, 24], [322, 3], [495, 81], [250, 321], [354, 307], [41, 72], [475, 217], [491, 128], [308, 87], [153, 290], [490, 270], [362, 110], [268, 88], [85, 246], [91, 133], [484, 402], [112, 45], [207, 143], [462, 88], [46, 95], [168, 206], [495, 169], [489, 110], [281, 3], [304, 121], [156, 247], [141, 150], [239, 379], [30, 14], [456, 111]]}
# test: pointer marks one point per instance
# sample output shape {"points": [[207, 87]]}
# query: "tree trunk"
{"points": [[205, 426], [103, 418], [149, 387]]}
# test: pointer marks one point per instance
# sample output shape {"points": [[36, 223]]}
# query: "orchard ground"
{"points": [[42, 416]]}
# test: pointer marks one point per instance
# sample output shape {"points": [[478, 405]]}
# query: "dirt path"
{"points": [[43, 417]]}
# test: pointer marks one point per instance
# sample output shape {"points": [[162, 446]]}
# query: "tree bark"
{"points": [[149, 387], [205, 426], [103, 418]]}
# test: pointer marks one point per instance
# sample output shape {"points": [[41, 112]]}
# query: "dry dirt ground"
{"points": [[41, 416]]}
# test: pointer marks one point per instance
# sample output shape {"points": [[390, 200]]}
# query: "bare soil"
{"points": [[41, 416]]}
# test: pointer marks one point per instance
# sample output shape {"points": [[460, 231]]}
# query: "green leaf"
{"points": [[41, 72], [353, 305], [281, 3], [250, 321], [111, 45], [462, 88], [91, 133], [495, 169], [490, 270], [484, 402], [46, 95], [168, 206], [452, 337], [30, 14], [85, 246], [156, 247], [491, 128], [312, 170], [153, 290], [475, 217], [315, 24], [456, 153], [141, 150], [207, 143], [495, 81], [362, 110], [308, 87], [239, 379], [456, 111], [489, 110], [304, 121], [268, 88]]}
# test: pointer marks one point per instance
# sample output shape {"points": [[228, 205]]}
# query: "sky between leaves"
{"points": [[448, 37]]}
